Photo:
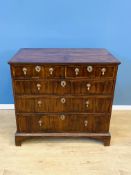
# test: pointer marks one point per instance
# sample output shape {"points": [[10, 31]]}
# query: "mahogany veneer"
{"points": [[63, 93]]}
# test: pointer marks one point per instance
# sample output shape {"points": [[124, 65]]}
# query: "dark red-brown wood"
{"points": [[56, 94], [63, 55]]}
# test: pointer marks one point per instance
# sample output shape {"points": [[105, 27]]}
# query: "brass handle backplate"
{"points": [[87, 103], [85, 122], [51, 70], [38, 86], [40, 123], [24, 70], [88, 86], [39, 103], [103, 70], [76, 71]]}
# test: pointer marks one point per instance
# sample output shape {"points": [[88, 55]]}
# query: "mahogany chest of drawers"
{"points": [[63, 93]]}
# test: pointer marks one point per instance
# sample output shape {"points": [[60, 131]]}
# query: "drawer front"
{"points": [[63, 104], [105, 71], [64, 86], [80, 71], [38, 71], [86, 87], [27, 71], [90, 71], [60, 71], [54, 71], [63, 123]]}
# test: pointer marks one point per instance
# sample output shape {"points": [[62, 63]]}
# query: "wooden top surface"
{"points": [[53, 55]]}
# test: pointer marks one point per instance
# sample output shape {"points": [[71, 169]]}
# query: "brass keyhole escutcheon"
{"points": [[63, 100], [63, 83], [62, 117], [38, 68], [89, 68]]}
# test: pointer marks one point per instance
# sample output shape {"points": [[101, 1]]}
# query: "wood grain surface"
{"points": [[66, 55], [79, 92]]}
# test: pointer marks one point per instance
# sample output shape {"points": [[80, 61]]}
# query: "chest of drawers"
{"points": [[63, 93]]}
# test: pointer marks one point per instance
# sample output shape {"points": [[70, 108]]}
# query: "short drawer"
{"points": [[79, 71], [56, 71], [37, 71], [64, 86], [105, 71], [27, 71], [63, 123], [63, 104], [91, 71]]}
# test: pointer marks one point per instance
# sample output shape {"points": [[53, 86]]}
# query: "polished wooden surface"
{"points": [[62, 55], [65, 99], [72, 104], [76, 123], [52, 86], [63, 71]]}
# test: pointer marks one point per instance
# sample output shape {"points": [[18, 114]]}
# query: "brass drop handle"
{"points": [[89, 68], [87, 103], [63, 100], [38, 68], [88, 86], [24, 70], [38, 86], [51, 70], [63, 83], [39, 103], [62, 117], [85, 122], [40, 123], [103, 70], [76, 71]]}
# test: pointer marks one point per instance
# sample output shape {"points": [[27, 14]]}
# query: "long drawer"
{"points": [[61, 71], [63, 86], [63, 104], [63, 123]]}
